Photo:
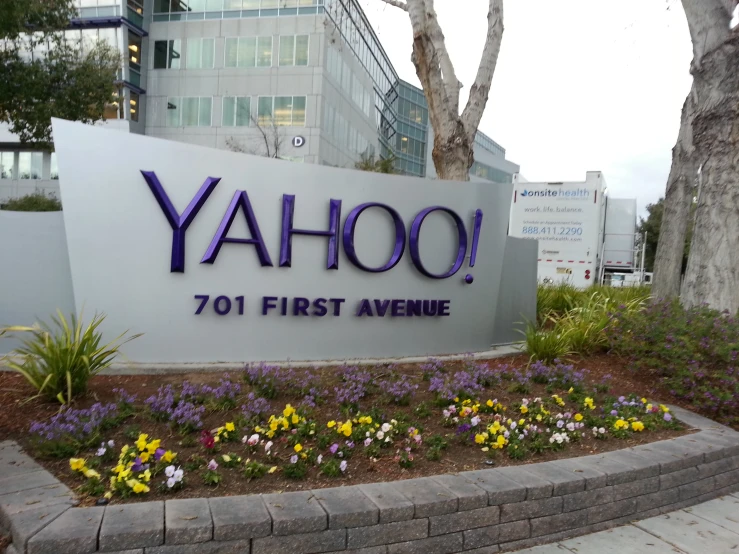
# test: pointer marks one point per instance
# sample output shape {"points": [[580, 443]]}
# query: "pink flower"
{"points": [[212, 465]]}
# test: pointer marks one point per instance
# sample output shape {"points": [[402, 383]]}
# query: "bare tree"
{"points": [[712, 276], [454, 134], [269, 143]]}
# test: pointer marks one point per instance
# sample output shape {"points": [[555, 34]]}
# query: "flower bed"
{"points": [[272, 428]]}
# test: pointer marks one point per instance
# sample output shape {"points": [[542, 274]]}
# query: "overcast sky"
{"points": [[580, 84]]}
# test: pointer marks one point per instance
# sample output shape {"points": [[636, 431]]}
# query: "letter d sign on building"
{"points": [[298, 141]]}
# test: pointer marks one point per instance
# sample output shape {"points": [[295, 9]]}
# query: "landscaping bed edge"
{"points": [[483, 511]]}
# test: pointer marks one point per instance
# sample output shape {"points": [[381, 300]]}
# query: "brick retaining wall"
{"points": [[484, 511]]}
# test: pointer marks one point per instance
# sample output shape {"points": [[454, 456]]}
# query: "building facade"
{"points": [[304, 80]]}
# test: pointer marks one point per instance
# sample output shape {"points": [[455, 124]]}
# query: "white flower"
{"points": [[319, 459], [380, 435], [254, 439], [520, 437], [476, 420], [446, 413], [513, 425], [386, 427], [342, 466], [570, 426], [111, 444], [169, 471], [101, 451], [602, 431], [387, 439], [171, 482], [268, 446]]}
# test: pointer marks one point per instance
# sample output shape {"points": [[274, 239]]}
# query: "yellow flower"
{"points": [[146, 476], [456, 398], [298, 447], [521, 421], [108, 495], [589, 403], [571, 389], [272, 469], [119, 468], [153, 445], [578, 417], [136, 486], [524, 410], [480, 438], [288, 411], [124, 449], [637, 426], [489, 403], [168, 456], [621, 424], [664, 408], [226, 458], [144, 456], [643, 400], [538, 417], [123, 474], [90, 473], [273, 425], [331, 424], [230, 427], [76, 464], [295, 419], [501, 440], [141, 442]]}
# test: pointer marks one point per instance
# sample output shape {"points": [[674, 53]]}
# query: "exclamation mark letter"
{"points": [[475, 239]]}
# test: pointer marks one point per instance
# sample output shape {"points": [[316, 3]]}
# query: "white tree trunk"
{"points": [[668, 260], [712, 276], [454, 134]]}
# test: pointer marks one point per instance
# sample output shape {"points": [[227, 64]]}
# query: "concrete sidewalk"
{"points": [[708, 528]]}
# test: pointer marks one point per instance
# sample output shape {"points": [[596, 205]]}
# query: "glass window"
{"points": [[301, 49], [283, 110], [209, 45], [287, 50], [269, 4], [167, 54], [247, 51], [134, 106], [206, 111], [231, 52], [229, 111], [232, 4], [200, 53], [190, 111], [264, 110], [214, 5], [53, 167], [243, 111], [251, 4], [299, 111], [30, 165], [134, 51], [264, 51], [173, 112], [7, 165]]}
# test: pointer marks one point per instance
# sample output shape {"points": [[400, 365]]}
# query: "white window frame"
{"points": [[180, 100], [202, 53], [235, 100], [295, 51]]}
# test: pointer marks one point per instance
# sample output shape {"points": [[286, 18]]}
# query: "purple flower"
{"points": [[333, 448], [560, 424], [614, 412], [667, 416], [294, 459], [367, 441], [212, 465], [158, 453]]}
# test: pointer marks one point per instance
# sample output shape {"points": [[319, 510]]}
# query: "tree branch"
{"points": [[481, 88], [708, 21], [396, 4]]}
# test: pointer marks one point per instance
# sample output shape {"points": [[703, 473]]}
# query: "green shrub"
{"points": [[693, 352], [59, 359], [546, 345], [34, 202]]}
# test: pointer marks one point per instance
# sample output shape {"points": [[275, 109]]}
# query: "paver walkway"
{"points": [[708, 528]]}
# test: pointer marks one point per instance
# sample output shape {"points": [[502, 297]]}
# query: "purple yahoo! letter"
{"points": [[179, 223]]}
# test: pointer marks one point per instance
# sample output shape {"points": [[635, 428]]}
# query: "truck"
{"points": [[574, 227]]}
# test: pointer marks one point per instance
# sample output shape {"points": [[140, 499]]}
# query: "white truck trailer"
{"points": [[584, 235], [568, 220]]}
